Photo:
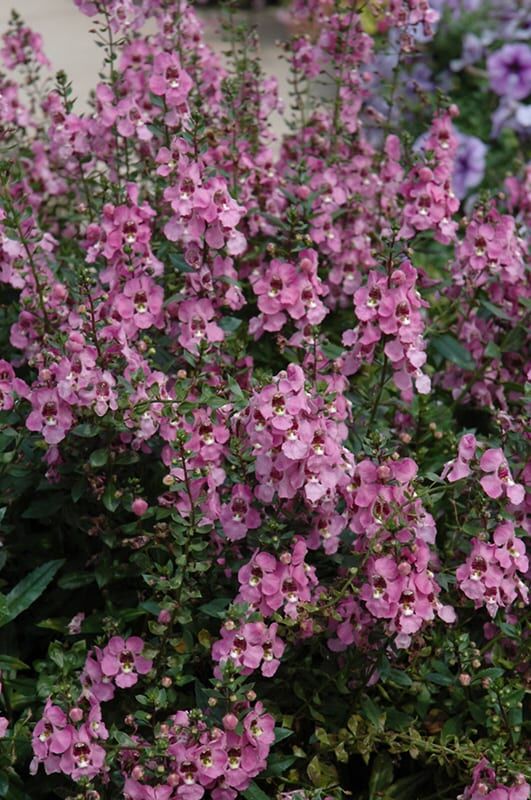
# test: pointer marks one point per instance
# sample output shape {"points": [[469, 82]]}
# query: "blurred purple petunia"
{"points": [[509, 70]]}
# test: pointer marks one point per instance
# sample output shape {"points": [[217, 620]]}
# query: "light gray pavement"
{"points": [[69, 45]]}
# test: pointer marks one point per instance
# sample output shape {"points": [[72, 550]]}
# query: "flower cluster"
{"points": [[217, 760], [269, 584], [69, 743], [248, 647], [486, 786], [233, 370], [496, 480], [490, 576], [61, 746], [296, 437], [289, 291], [430, 201], [389, 308]]}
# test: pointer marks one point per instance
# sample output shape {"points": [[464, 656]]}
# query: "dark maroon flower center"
{"points": [[239, 507], [49, 410]]}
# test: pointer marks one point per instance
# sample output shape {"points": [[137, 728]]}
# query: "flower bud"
{"points": [[383, 472], [164, 617], [230, 721], [139, 506], [76, 714]]}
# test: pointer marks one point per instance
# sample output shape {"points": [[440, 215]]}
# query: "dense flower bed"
{"points": [[262, 427]]}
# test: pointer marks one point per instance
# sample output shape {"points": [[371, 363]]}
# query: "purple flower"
{"points": [[473, 50], [122, 660], [469, 167], [509, 71], [513, 115]]}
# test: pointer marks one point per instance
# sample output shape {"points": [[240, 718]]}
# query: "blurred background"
{"points": [[69, 45]]}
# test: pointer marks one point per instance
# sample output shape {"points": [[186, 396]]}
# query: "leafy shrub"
{"points": [[262, 433]]}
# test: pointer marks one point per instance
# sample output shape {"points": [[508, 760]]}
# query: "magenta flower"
{"points": [[489, 576], [238, 516], [170, 80], [51, 416], [498, 481], [252, 645], [122, 661], [137, 791], [460, 466], [52, 736], [197, 327], [141, 303], [84, 758], [95, 684]]}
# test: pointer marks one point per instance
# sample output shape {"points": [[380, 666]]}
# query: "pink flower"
{"points": [[489, 576], [51, 737], [122, 661], [252, 645], [237, 517], [134, 790], [460, 467], [96, 685], [141, 303], [84, 758], [498, 481], [197, 327], [51, 416], [169, 79], [4, 722]]}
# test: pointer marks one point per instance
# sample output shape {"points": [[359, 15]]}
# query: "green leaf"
{"points": [[448, 347], [74, 580], [440, 680], [332, 350], [515, 719], [99, 458], [253, 792], [86, 430], [452, 727], [123, 739], [109, 499], [407, 788], [54, 624], [372, 712], [496, 310], [492, 350], [10, 663], [279, 764], [216, 608], [381, 775], [230, 324], [397, 720], [28, 590], [489, 672], [399, 677], [322, 775], [281, 734], [45, 506]]}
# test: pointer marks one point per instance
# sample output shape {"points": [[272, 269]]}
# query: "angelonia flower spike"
{"points": [[264, 364]]}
